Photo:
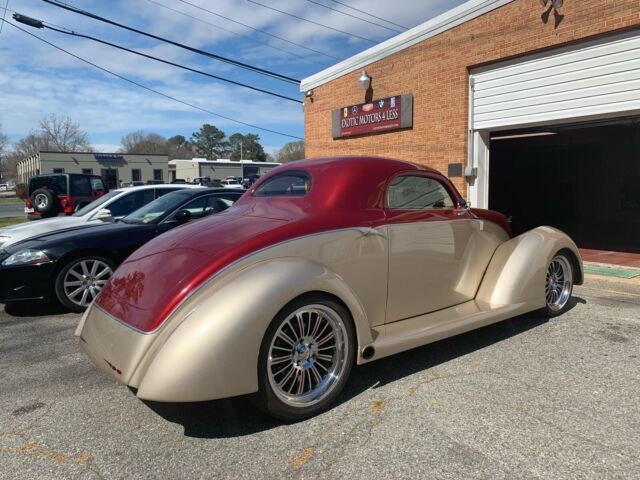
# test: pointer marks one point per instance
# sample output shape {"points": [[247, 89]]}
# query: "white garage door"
{"points": [[589, 80]]}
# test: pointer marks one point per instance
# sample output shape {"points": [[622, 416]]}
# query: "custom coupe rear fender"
{"points": [[517, 271], [209, 347]]}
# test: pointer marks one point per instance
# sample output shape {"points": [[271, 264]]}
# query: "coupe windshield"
{"points": [[95, 204], [158, 208]]}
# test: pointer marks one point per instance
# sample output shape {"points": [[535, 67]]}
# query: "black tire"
{"points": [[558, 285], [64, 297], [270, 401], [45, 202]]}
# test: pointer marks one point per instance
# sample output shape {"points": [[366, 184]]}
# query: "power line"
{"points": [[171, 42], [6, 6], [370, 14], [121, 77], [167, 62], [308, 21], [352, 16], [264, 32], [234, 33]]}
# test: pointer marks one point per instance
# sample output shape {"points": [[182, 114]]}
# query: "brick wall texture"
{"points": [[436, 72]]}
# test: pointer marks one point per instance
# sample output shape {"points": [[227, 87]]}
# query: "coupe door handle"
{"points": [[370, 232]]}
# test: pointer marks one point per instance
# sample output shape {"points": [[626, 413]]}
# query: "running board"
{"points": [[415, 332]]}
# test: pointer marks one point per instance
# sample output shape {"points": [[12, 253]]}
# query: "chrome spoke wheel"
{"points": [[559, 283], [307, 355], [84, 280], [41, 200]]}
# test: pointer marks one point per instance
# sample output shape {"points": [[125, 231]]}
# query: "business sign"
{"points": [[108, 156], [384, 115]]}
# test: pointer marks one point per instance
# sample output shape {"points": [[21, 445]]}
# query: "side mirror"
{"points": [[104, 214], [182, 216], [464, 204]]}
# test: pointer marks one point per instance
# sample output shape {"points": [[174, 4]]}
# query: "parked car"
{"points": [[281, 294], [73, 265], [231, 184], [153, 182], [204, 181], [52, 194], [115, 204], [4, 187], [179, 181]]}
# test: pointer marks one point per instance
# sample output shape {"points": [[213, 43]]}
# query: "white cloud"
{"points": [[36, 80]]}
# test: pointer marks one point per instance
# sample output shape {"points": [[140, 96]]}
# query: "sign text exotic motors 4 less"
{"points": [[384, 115]]}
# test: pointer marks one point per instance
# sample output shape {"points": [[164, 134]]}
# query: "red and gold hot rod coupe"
{"points": [[321, 264]]}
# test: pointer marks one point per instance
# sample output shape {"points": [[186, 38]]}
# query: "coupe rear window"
{"points": [[289, 184]]}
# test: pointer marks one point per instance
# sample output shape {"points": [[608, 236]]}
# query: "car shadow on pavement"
{"points": [[237, 417], [34, 309]]}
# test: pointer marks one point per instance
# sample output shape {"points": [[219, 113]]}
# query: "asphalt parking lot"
{"points": [[525, 398]]}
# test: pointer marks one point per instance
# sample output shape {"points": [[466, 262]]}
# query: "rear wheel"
{"points": [[45, 202], [558, 285], [305, 358], [80, 281]]}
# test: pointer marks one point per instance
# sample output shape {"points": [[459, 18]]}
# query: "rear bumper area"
{"points": [[114, 347]]}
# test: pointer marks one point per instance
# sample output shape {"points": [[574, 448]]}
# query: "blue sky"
{"points": [[37, 80]]}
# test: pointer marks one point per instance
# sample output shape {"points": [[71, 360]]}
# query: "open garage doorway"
{"points": [[583, 179]]}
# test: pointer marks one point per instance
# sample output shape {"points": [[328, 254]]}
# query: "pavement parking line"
{"points": [[617, 292]]}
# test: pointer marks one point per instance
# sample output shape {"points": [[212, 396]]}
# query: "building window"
{"points": [[136, 175], [58, 170], [157, 174], [87, 171]]}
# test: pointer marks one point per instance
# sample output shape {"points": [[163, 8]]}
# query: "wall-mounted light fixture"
{"points": [[364, 80], [308, 94]]}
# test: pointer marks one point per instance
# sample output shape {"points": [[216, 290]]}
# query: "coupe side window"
{"points": [[290, 184], [409, 192]]}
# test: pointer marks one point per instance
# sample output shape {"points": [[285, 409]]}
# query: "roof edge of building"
{"points": [[446, 21]]}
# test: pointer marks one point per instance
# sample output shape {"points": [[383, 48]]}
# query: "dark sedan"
{"points": [[73, 265]]}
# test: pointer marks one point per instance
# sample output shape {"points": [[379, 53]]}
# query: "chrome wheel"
{"points": [[41, 200], [84, 279], [558, 285], [307, 355]]}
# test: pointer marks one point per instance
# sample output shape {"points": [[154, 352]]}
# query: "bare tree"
{"points": [[290, 152], [57, 134], [4, 141], [61, 134], [140, 141]]}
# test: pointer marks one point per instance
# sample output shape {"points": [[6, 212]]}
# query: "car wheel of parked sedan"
{"points": [[305, 358], [558, 285], [80, 281]]}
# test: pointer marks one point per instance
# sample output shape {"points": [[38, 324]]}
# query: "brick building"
{"points": [[532, 110]]}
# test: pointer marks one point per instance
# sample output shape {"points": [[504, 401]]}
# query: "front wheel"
{"points": [[80, 281], [305, 358], [558, 285]]}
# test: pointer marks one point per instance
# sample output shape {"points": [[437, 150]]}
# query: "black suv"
{"points": [[52, 194]]}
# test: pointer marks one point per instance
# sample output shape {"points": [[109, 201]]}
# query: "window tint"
{"points": [[418, 193], [80, 186], [163, 191], [196, 207], [97, 185], [57, 183], [95, 204], [131, 202], [290, 184]]}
